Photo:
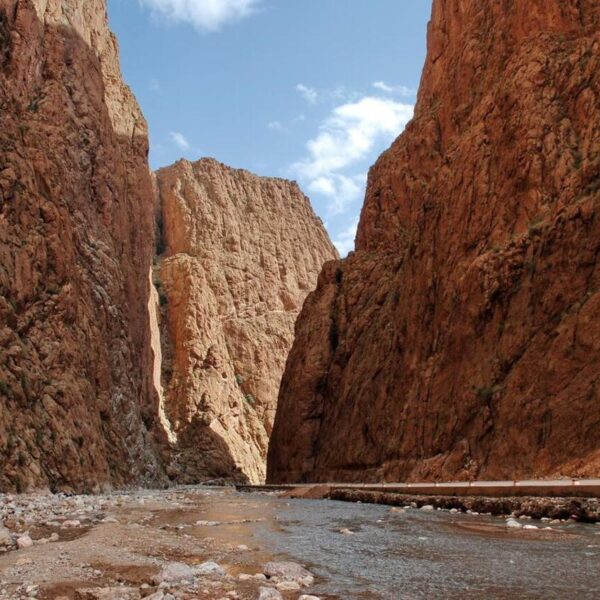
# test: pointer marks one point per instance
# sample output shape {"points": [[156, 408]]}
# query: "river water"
{"points": [[416, 555]]}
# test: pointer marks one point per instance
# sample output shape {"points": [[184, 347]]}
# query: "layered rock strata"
{"points": [[77, 399], [240, 253], [462, 338]]}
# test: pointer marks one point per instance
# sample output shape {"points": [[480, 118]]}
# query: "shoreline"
{"points": [[584, 510]]}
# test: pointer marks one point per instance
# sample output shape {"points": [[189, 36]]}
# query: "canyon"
{"points": [[77, 400], [240, 254], [461, 339], [145, 319]]}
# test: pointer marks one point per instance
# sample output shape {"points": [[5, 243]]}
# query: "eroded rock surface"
{"points": [[462, 338], [76, 245], [240, 255]]}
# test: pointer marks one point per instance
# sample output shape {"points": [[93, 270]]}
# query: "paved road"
{"points": [[558, 487]]}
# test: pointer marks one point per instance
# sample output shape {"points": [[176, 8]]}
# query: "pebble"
{"points": [[209, 568], [174, 573], [24, 542], [513, 524], [307, 597], [288, 586], [530, 527], [427, 507], [288, 571], [346, 531], [269, 594], [71, 524]]}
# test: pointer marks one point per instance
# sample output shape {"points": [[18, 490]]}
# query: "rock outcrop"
{"points": [[462, 338], [240, 255], [77, 399]]}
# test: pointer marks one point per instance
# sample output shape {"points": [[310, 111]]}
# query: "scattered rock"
{"points": [[209, 568], [174, 573], [24, 542], [266, 593], [513, 524], [5, 537], [289, 571], [427, 507]]}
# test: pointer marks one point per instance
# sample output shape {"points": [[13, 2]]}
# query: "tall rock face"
{"points": [[241, 253], [76, 245], [462, 338]]}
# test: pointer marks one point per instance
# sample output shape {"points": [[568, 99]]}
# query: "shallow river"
{"points": [[417, 554]]}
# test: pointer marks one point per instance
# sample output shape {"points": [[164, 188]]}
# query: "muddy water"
{"points": [[414, 555]]}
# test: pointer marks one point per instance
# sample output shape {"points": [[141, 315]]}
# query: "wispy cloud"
{"points": [[401, 90], [344, 241], [180, 140], [351, 134], [308, 93], [205, 15], [276, 126]]}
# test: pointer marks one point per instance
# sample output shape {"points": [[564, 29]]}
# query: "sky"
{"points": [[309, 90]]}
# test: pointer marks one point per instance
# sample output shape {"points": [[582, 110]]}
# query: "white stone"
{"points": [[288, 571], [5, 537], [265, 593], [427, 507], [174, 573], [307, 597], [71, 523], [513, 524], [24, 542], [209, 568], [530, 527]]}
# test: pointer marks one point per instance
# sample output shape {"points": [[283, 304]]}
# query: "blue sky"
{"points": [[311, 90]]}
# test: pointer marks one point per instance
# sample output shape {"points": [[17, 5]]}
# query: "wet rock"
{"points": [[265, 593], [113, 593], [513, 524], [288, 571]]}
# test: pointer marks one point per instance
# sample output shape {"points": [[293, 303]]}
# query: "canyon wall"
{"points": [[240, 255], [462, 338], [77, 399]]}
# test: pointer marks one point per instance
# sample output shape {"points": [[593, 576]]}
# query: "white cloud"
{"points": [[401, 90], [341, 190], [180, 140], [275, 126], [351, 134], [344, 241], [205, 15], [308, 93]]}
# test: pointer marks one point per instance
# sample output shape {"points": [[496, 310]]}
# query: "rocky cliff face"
{"points": [[241, 253], [462, 338], [76, 244]]}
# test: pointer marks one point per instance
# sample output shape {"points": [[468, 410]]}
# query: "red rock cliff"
{"points": [[462, 338], [76, 244], [241, 254]]}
